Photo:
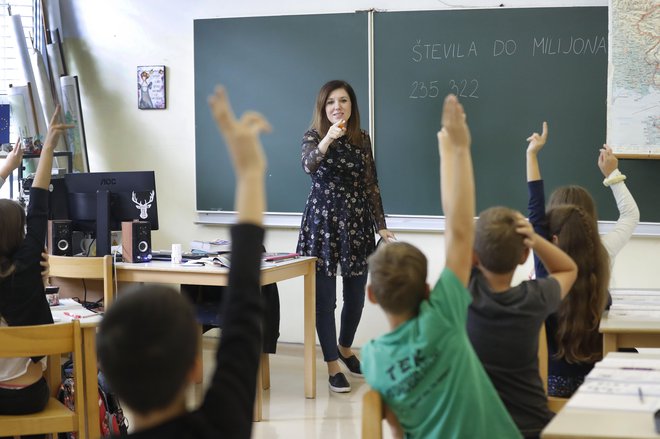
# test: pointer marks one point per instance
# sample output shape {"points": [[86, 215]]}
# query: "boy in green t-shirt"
{"points": [[425, 369]]}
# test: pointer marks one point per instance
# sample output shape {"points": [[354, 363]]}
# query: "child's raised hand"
{"points": [[241, 135], [607, 161], [55, 130], [14, 157], [455, 131], [536, 140]]}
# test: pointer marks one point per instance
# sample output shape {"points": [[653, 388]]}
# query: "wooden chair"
{"points": [[554, 403], [53, 341], [86, 268], [373, 414]]}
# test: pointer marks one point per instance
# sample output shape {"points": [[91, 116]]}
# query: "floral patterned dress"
{"points": [[344, 209]]}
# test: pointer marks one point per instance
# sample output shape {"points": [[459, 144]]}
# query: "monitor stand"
{"points": [[102, 223]]}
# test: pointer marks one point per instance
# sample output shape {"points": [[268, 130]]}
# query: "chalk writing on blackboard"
{"points": [[463, 88], [569, 46], [454, 52], [538, 45], [425, 51]]}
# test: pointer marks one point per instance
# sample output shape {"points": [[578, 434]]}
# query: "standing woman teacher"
{"points": [[343, 211]]}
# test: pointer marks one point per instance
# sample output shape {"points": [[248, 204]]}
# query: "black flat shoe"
{"points": [[338, 383], [352, 363]]}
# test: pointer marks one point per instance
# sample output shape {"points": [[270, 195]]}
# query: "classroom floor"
{"points": [[286, 411], [287, 414]]}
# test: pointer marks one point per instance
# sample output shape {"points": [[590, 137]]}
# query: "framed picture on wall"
{"points": [[151, 87]]}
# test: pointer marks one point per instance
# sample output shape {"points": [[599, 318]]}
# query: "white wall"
{"points": [[104, 43]]}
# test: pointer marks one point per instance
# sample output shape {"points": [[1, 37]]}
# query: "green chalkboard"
{"points": [[512, 69], [274, 65]]}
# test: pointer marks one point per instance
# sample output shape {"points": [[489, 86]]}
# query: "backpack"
{"points": [[111, 415]]}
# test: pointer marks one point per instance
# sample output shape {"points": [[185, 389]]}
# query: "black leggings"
{"points": [[30, 399]]}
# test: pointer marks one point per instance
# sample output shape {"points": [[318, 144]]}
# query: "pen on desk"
{"points": [[641, 395]]}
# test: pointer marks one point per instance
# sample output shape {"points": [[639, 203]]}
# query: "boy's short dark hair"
{"points": [[398, 277], [497, 244], [147, 343]]}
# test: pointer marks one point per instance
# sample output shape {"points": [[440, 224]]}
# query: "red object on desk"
{"points": [[77, 316], [280, 257]]}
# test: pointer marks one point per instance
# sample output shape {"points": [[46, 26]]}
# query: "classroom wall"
{"points": [[104, 43]]}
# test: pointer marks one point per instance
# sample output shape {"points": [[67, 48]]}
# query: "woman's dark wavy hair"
{"points": [[320, 120]]}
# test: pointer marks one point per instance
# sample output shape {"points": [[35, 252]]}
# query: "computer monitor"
{"points": [[98, 202]]}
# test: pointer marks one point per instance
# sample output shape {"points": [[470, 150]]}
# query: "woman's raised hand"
{"points": [[337, 130]]}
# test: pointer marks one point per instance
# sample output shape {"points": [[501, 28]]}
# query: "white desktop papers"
{"points": [[621, 382]]}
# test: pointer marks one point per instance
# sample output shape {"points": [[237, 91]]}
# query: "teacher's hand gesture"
{"points": [[334, 132], [337, 130]]}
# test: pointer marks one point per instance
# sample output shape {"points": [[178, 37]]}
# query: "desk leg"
{"points": [[91, 381], [198, 385], [200, 354], [609, 343], [310, 331], [265, 370], [258, 400]]}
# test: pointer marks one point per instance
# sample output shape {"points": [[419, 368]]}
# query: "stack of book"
{"points": [[211, 261], [635, 303], [224, 259], [215, 246]]}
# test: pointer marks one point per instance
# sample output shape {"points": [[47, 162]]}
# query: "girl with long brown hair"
{"points": [[574, 343], [575, 326]]}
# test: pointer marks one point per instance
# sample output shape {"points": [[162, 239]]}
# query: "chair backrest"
{"points": [[86, 268], [372, 415], [554, 403], [543, 358], [50, 340]]}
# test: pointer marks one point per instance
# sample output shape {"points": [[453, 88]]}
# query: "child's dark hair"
{"points": [[579, 314], [398, 277], [497, 244], [147, 344], [12, 232]]}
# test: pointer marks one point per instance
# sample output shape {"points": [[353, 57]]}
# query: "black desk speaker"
{"points": [[60, 238], [136, 241]]}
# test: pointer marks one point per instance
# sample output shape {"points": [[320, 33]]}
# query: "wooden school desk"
{"points": [[571, 423], [629, 333], [603, 423], [166, 272]]}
